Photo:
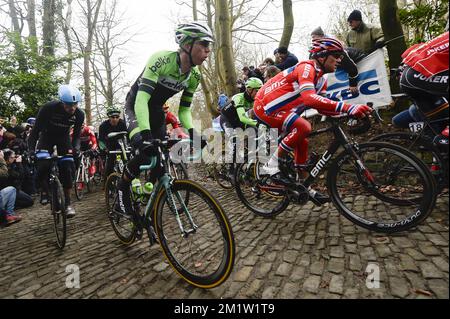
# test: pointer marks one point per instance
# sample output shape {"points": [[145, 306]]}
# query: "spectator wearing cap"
{"points": [[284, 59], [362, 36]]}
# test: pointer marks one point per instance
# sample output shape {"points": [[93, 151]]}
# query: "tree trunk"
{"points": [[392, 30], [31, 17], [205, 88], [13, 16], [49, 28], [65, 23], [31, 20], [18, 45], [91, 23], [288, 27], [225, 47]]}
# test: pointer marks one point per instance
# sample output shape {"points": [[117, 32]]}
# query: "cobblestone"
{"points": [[306, 252]]}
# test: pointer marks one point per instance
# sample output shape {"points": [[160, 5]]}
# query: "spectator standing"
{"points": [[362, 36]]}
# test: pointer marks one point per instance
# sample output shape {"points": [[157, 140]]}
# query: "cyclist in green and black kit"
{"points": [[166, 74]]}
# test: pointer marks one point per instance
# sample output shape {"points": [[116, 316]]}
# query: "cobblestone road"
{"points": [[306, 252]]}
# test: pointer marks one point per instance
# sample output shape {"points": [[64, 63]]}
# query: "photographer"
{"points": [[15, 178]]}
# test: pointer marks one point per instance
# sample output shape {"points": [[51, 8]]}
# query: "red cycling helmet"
{"points": [[325, 46]]}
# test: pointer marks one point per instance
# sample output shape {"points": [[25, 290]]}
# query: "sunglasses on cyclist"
{"points": [[337, 55], [114, 117]]}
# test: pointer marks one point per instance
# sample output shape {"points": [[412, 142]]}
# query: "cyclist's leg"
{"points": [[132, 168], [43, 168], [109, 165], [66, 170], [402, 119]]}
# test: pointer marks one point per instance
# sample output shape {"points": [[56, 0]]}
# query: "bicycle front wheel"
{"points": [[223, 177], [122, 225], [196, 237], [58, 207], [392, 193]]}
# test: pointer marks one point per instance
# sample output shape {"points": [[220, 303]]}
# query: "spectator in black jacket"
{"points": [[284, 59], [15, 178]]}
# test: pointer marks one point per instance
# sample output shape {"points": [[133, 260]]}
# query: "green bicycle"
{"points": [[184, 218]]}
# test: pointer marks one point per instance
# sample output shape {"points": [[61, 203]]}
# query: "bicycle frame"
{"points": [[165, 181], [340, 140]]}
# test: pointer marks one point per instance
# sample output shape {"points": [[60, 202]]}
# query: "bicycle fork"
{"points": [[173, 207]]}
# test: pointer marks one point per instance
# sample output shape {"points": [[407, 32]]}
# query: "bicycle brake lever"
{"points": [[375, 113]]}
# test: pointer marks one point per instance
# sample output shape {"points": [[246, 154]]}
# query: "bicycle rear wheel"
{"points": [[80, 185], [122, 225], [222, 176], [394, 193], [58, 207], [203, 255], [257, 193]]}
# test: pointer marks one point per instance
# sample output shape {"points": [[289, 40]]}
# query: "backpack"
{"points": [[229, 112]]}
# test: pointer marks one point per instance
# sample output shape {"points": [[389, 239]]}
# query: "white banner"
{"points": [[373, 83]]}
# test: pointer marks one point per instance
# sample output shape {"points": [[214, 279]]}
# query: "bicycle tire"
{"points": [[58, 207], [206, 212], [79, 184], [377, 157], [420, 146], [221, 176], [127, 232], [249, 184]]}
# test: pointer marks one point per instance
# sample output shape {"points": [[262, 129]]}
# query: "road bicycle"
{"points": [[378, 186], [427, 144], [56, 194], [184, 218]]}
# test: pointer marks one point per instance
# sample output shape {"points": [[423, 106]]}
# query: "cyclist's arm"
{"points": [[309, 95], [148, 84], [93, 140], [184, 112], [41, 123], [239, 103], [102, 137], [349, 66], [77, 130]]}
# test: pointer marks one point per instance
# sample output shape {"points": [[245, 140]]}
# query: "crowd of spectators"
{"points": [[17, 178]]}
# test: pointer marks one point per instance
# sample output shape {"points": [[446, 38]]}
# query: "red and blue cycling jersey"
{"points": [[296, 87]]}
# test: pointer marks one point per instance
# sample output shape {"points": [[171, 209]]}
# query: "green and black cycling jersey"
{"points": [[160, 80], [235, 114]]}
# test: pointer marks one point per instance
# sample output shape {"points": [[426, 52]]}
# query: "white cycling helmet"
{"points": [[193, 31]]}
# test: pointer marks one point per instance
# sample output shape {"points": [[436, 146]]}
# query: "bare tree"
{"points": [[225, 46], [288, 23], [31, 17], [64, 21], [48, 27], [90, 11], [109, 40], [393, 35]]}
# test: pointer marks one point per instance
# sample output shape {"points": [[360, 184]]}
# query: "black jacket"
{"points": [[53, 121]]}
